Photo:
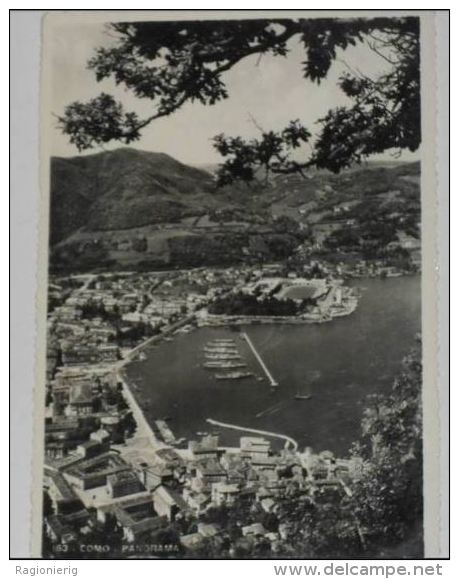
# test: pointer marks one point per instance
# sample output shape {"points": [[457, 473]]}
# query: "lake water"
{"points": [[339, 363]]}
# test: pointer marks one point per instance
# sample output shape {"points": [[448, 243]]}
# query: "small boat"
{"points": [[233, 375], [302, 396], [185, 329], [142, 356], [223, 364], [223, 357], [219, 350], [222, 352]]}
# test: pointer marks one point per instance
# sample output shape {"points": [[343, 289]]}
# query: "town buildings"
{"points": [[109, 477]]}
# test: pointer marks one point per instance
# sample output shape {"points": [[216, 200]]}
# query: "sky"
{"points": [[270, 91]]}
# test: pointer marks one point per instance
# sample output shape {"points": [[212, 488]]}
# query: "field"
{"points": [[299, 292]]}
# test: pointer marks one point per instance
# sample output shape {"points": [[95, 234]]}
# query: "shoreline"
{"points": [[222, 320], [250, 320], [143, 428], [157, 338]]}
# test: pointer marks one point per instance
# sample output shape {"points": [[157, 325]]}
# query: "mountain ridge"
{"points": [[129, 206]]}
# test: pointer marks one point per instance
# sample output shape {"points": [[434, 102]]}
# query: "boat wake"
{"points": [[272, 409]]}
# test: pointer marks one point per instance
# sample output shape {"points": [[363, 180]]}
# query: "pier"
{"points": [[271, 380], [288, 440], [165, 431]]}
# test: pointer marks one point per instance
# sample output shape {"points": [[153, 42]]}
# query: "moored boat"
{"points": [[224, 365], [210, 356], [233, 375], [230, 350]]}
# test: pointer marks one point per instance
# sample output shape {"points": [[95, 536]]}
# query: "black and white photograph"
{"points": [[234, 221]]}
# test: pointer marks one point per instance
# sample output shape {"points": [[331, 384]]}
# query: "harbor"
{"points": [[173, 381]]}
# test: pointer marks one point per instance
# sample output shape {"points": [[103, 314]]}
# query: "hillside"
{"points": [[122, 189], [130, 208]]}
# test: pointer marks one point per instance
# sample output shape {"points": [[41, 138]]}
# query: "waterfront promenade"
{"points": [[159, 337], [143, 430], [289, 442]]}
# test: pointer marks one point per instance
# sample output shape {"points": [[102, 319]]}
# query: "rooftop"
{"points": [[106, 463], [81, 394], [122, 476], [191, 540], [210, 468], [64, 489], [254, 529], [58, 526]]}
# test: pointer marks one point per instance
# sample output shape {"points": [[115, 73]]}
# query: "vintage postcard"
{"points": [[237, 338]]}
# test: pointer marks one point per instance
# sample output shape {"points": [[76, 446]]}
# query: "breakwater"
{"points": [[289, 442]]}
